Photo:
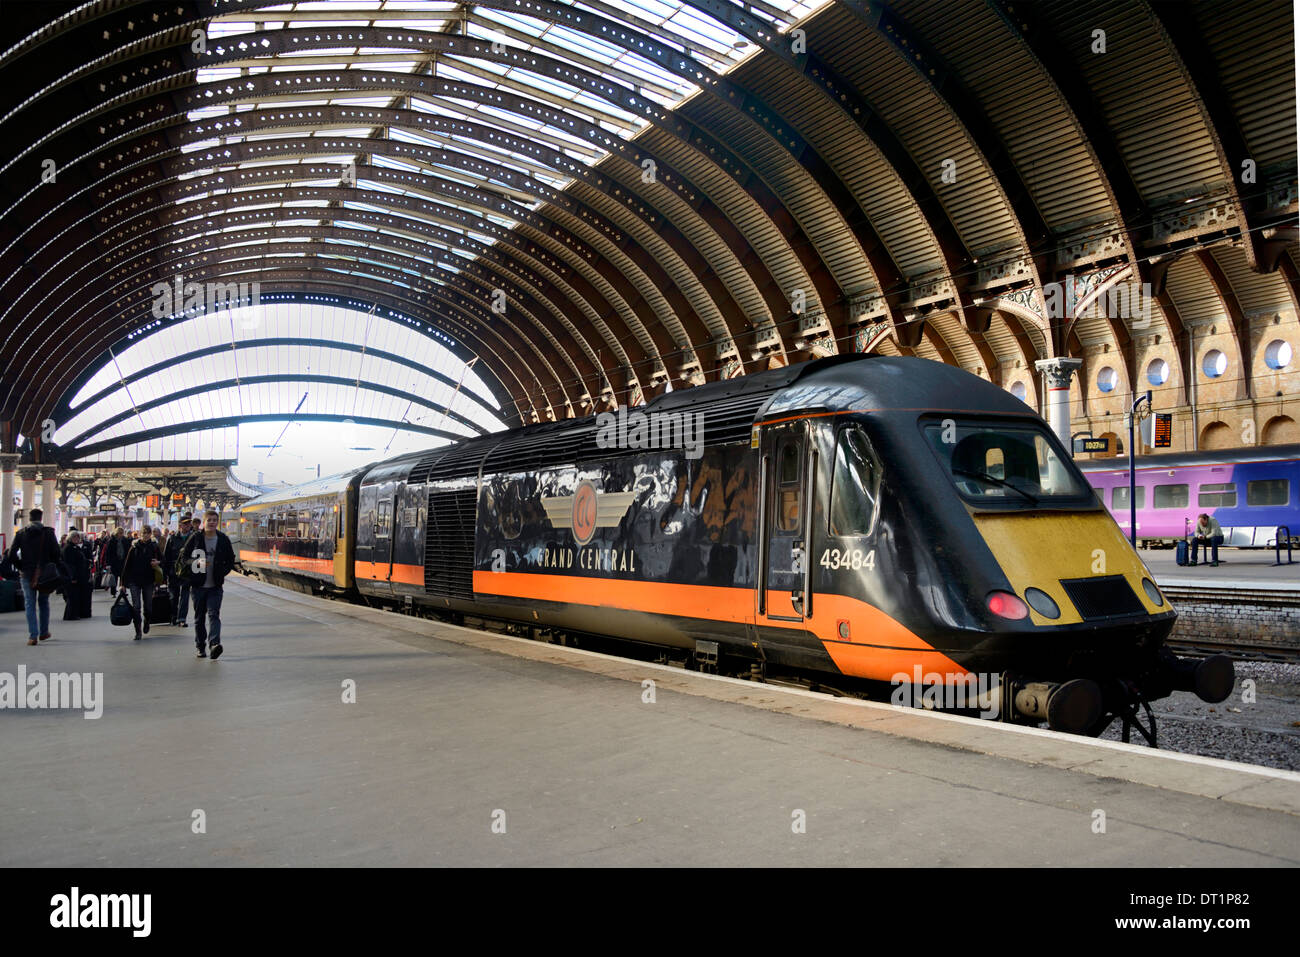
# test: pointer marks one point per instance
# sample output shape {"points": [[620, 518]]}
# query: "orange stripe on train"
{"points": [[880, 646]]}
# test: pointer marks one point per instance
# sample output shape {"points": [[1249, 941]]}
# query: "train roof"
{"points": [[326, 485], [854, 382], [885, 384], [1259, 453]]}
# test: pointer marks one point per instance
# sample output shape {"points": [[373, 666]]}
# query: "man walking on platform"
{"points": [[207, 558], [179, 584], [35, 547]]}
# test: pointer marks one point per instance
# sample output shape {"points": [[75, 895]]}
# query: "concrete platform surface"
{"points": [[1239, 568], [468, 748]]}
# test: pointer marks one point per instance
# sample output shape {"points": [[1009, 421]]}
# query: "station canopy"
{"points": [[457, 217]]}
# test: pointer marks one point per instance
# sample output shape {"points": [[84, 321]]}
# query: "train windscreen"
{"points": [[1005, 464]]}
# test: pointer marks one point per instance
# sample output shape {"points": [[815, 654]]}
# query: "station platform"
{"points": [[454, 731], [1239, 569]]}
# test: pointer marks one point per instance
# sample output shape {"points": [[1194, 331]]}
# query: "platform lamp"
{"points": [[1132, 466]]}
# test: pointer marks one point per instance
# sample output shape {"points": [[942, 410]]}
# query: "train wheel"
{"points": [[1100, 725]]}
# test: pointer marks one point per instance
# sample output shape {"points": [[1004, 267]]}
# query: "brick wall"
{"points": [[1263, 617]]}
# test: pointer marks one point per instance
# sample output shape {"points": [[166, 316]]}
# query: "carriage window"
{"points": [[1217, 496], [788, 493], [1170, 496], [383, 518], [1119, 497], [855, 487], [1268, 492]]}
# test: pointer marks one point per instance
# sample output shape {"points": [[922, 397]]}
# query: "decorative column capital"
{"points": [[28, 472], [1059, 371], [9, 461]]}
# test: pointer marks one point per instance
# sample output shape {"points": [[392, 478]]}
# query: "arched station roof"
{"points": [[595, 197]]}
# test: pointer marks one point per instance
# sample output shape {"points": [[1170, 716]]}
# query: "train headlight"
{"points": [[1042, 603], [1153, 592], [1006, 605]]}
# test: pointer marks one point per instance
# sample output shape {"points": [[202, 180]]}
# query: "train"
{"points": [[862, 521], [1254, 494]]}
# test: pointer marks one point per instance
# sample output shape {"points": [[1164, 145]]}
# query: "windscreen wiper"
{"points": [[985, 477]]}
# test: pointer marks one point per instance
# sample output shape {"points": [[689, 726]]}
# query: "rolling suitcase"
{"points": [[1180, 552], [160, 613]]}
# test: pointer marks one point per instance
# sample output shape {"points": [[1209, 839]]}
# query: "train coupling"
{"points": [[1072, 706], [1084, 706], [1210, 679]]}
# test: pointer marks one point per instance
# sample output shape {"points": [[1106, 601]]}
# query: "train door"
{"points": [[384, 524], [785, 522], [364, 558]]}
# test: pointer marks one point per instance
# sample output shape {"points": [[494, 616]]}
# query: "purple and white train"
{"points": [[1250, 491]]}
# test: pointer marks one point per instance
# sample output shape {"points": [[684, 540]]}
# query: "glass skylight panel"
{"points": [[583, 43], [321, 24], [654, 11], [545, 84], [704, 31], [519, 22], [449, 69]]}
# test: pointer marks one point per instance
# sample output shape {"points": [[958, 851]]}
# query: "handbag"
{"points": [[121, 613], [158, 577], [49, 579], [50, 575]]}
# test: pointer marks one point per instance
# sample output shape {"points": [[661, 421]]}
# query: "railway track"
{"points": [[1238, 650]]}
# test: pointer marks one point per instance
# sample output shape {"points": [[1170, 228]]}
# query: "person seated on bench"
{"points": [[1209, 534]]}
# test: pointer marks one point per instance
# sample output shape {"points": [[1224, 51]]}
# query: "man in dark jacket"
{"points": [[142, 558], [206, 559], [35, 547], [180, 584], [76, 590]]}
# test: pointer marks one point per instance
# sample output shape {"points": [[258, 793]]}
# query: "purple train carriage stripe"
{"points": [[1249, 491]]}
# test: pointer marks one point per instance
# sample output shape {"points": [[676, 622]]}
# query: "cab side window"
{"points": [[855, 487], [788, 493]]}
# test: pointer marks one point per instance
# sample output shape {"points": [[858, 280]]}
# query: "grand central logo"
{"points": [[587, 510]]}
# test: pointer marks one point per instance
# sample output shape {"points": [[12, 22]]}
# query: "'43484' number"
{"points": [[854, 558]]}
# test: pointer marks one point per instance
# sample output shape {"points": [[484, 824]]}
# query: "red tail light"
{"points": [[1005, 605]]}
